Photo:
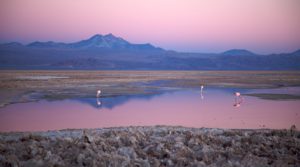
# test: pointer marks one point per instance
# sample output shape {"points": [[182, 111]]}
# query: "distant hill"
{"points": [[110, 52], [296, 53], [11, 44], [238, 52]]}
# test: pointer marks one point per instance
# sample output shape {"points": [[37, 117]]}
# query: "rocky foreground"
{"points": [[151, 146]]}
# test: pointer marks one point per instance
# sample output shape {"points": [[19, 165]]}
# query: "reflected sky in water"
{"points": [[213, 108]]}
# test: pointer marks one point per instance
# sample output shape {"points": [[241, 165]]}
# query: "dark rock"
{"points": [[127, 152], [151, 146]]}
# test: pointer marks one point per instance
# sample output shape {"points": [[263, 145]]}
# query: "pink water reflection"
{"points": [[185, 108]]}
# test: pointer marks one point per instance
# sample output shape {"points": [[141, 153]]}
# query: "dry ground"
{"points": [[151, 146]]}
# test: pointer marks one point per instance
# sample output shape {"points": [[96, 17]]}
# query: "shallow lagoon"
{"points": [[214, 108]]}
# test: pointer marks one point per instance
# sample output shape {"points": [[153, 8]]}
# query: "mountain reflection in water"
{"points": [[185, 108]]}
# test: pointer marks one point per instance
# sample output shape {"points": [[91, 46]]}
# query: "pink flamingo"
{"points": [[238, 99], [237, 94], [98, 93], [97, 97], [201, 92]]}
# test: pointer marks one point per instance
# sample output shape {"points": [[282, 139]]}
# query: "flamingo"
{"points": [[201, 91], [97, 96], [202, 87], [98, 93], [238, 99], [237, 94]]}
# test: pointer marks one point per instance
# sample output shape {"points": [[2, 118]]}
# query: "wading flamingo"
{"points": [[238, 99], [237, 94], [202, 87], [98, 93], [97, 98], [201, 91]]}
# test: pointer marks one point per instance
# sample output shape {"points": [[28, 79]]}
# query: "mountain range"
{"points": [[108, 52]]}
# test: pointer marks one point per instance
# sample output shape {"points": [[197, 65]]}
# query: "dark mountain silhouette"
{"points": [[296, 53], [99, 41], [111, 52], [12, 44], [238, 52], [108, 41], [48, 44]]}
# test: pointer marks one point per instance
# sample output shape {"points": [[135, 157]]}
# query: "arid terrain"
{"points": [[25, 86], [151, 146]]}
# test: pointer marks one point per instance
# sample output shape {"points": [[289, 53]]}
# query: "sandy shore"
{"points": [[26, 86], [151, 146]]}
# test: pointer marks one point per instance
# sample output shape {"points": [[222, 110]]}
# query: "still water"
{"points": [[213, 108]]}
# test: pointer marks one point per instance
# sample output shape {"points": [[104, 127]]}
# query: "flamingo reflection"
{"points": [[98, 102]]}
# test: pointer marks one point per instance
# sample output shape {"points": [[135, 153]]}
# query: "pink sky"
{"points": [[263, 26]]}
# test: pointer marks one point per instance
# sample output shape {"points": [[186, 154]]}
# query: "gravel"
{"points": [[151, 146]]}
